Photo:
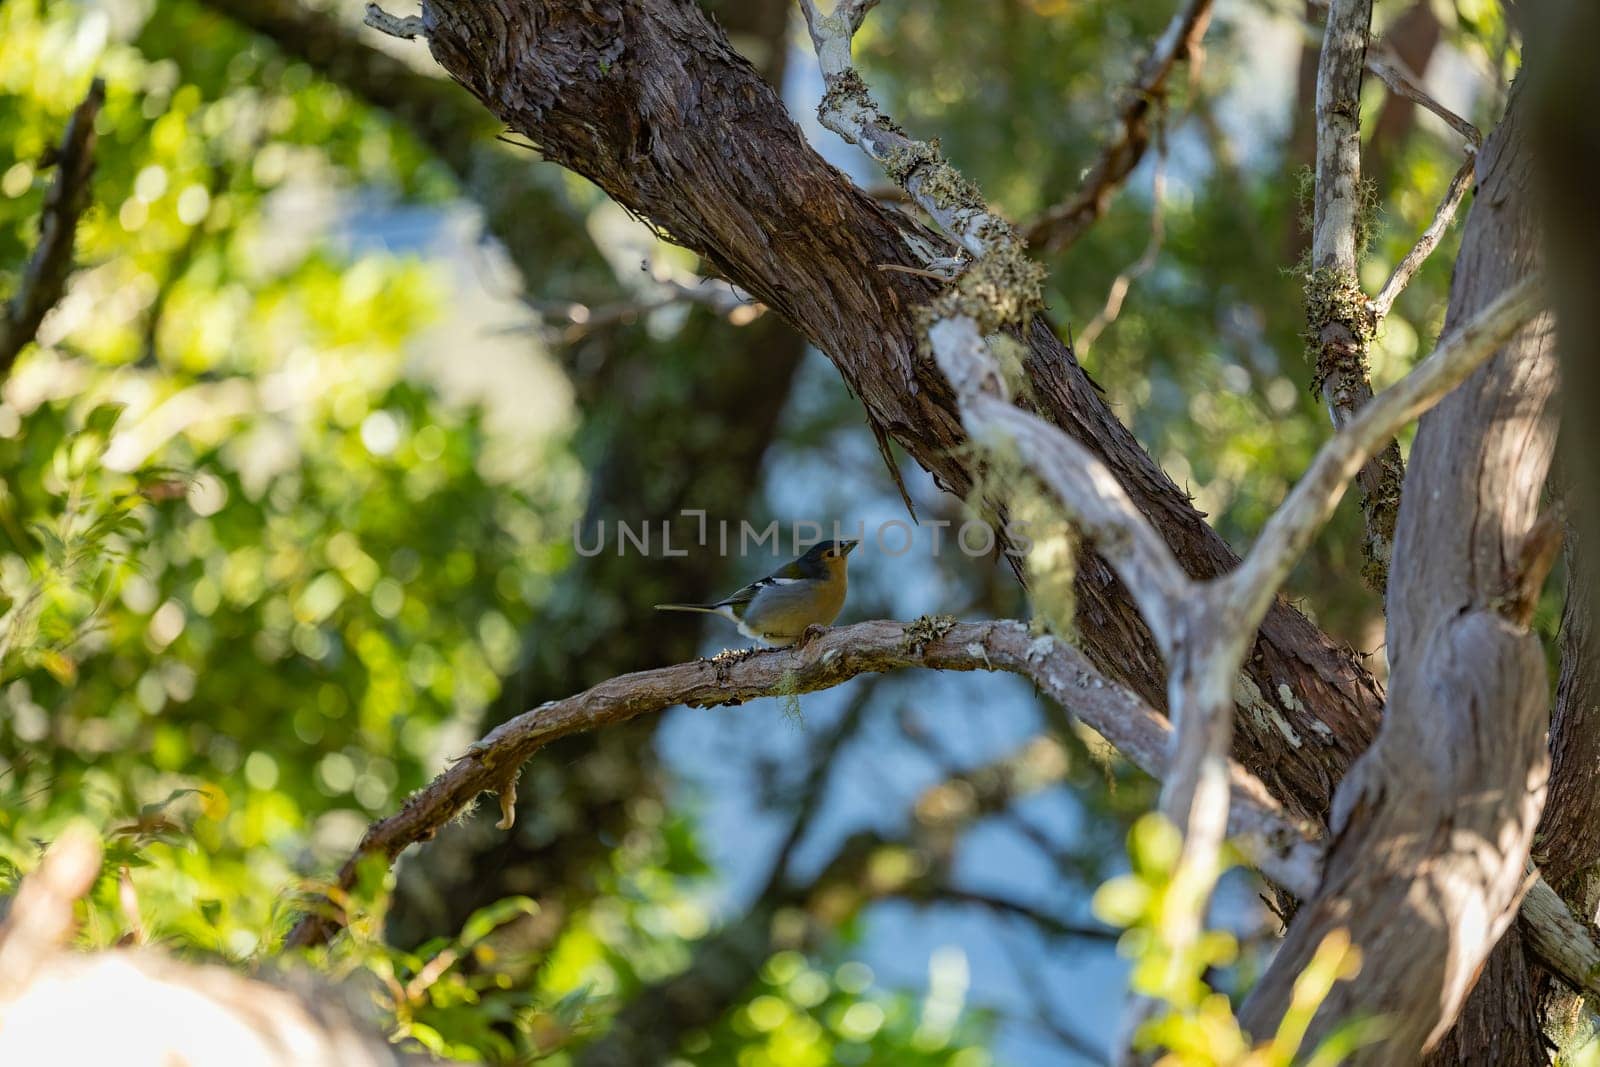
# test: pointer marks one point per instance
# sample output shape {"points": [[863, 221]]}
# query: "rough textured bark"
{"points": [[1568, 848], [1568, 142], [1434, 823], [647, 99]]}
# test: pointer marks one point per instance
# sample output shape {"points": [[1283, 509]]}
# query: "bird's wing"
{"points": [[741, 600]]}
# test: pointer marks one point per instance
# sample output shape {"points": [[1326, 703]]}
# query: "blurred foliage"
{"points": [[805, 1016], [1193, 1026]]}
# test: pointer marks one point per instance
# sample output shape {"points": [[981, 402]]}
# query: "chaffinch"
{"points": [[779, 608]]}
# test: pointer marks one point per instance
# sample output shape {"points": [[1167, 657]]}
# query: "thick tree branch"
{"points": [[1203, 632], [1281, 847], [1562, 942], [45, 276], [1205, 627], [1060, 226], [689, 138]]}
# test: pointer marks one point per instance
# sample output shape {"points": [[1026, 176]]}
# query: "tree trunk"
{"points": [[1433, 825]]}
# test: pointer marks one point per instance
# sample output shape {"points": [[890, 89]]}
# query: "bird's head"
{"points": [[830, 554]]}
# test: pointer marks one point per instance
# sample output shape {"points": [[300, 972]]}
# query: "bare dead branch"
{"points": [[45, 276], [1563, 943], [848, 109], [1060, 226], [407, 28], [1407, 268], [1391, 69], [1284, 849], [1092, 498]]}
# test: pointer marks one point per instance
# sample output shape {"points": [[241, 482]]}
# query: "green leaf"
{"points": [[102, 420], [485, 921]]}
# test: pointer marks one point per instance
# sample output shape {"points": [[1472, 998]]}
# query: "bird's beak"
{"points": [[849, 546]]}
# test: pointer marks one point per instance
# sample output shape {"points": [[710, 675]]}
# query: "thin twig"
{"points": [[45, 277], [1140, 267], [1051, 925], [575, 321], [1391, 70], [1442, 217], [1063, 224]]}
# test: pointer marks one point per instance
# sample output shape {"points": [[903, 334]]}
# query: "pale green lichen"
{"points": [[920, 168], [1367, 211], [919, 633], [1051, 561], [847, 92], [1004, 288], [1335, 298], [1045, 544], [1011, 357], [788, 693]]}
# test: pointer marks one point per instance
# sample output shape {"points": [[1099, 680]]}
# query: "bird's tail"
{"points": [[704, 609]]}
